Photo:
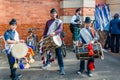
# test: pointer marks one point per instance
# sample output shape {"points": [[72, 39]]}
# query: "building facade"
{"points": [[34, 14]]}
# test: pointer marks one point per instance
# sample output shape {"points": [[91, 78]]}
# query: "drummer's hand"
{"points": [[80, 44], [92, 42], [22, 41], [52, 34], [42, 39], [79, 22]]}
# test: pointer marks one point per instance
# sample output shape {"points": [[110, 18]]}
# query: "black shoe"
{"points": [[106, 48], [116, 51], [10, 76], [73, 51]]}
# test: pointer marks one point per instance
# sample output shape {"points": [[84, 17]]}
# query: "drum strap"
{"points": [[62, 34], [57, 23], [52, 28]]}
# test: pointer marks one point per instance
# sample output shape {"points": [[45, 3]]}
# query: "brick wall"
{"points": [[100, 2], [29, 13]]}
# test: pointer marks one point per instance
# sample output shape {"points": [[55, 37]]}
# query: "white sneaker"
{"points": [[46, 66], [79, 73], [90, 75]]}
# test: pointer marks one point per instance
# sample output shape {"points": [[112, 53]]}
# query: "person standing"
{"points": [[54, 26], [115, 33], [75, 27], [11, 37], [87, 36]]}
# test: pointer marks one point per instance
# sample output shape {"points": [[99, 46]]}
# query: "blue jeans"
{"points": [[59, 56]]}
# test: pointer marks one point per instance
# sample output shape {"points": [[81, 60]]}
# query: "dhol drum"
{"points": [[51, 42], [82, 52], [19, 50]]}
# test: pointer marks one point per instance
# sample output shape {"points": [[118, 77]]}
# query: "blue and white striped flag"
{"points": [[98, 19], [102, 16]]}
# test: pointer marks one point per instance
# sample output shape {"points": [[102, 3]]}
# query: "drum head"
{"points": [[19, 50], [57, 40]]}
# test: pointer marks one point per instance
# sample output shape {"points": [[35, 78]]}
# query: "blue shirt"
{"points": [[114, 26], [9, 35]]}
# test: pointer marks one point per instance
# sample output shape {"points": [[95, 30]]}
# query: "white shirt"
{"points": [[74, 18], [9, 46]]}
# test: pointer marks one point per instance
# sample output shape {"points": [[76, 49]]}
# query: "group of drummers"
{"points": [[54, 26]]}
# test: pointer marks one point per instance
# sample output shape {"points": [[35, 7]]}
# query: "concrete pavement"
{"points": [[107, 69]]}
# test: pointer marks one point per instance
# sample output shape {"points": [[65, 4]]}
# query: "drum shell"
{"points": [[82, 52], [49, 42]]}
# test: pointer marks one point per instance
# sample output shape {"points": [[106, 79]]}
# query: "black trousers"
{"points": [[11, 64], [115, 43], [107, 41], [82, 65]]}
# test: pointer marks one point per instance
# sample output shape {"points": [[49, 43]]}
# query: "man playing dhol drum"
{"points": [[11, 37], [88, 36], [53, 27]]}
